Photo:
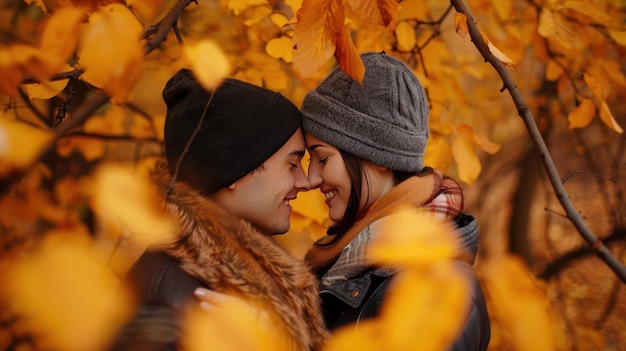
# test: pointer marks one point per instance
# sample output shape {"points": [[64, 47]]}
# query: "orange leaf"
{"points": [[554, 26], [208, 62], [460, 24], [315, 36], [618, 35], [45, 90], [400, 244], [280, 48], [413, 9], [406, 36], [607, 116], [438, 153], [497, 53], [15, 149], [597, 89], [520, 302], [582, 115], [112, 30], [123, 196], [348, 57], [465, 156], [238, 6], [67, 294], [377, 12], [60, 35]]}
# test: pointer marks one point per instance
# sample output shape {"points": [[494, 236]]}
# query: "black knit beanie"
{"points": [[244, 126]]}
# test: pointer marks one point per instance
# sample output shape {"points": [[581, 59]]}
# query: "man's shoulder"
{"points": [[157, 278]]}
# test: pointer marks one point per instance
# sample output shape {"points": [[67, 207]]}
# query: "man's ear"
{"points": [[232, 186]]}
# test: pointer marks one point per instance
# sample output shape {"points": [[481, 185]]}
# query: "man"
{"points": [[229, 189]]}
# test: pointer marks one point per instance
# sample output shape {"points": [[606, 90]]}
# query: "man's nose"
{"points": [[302, 181]]}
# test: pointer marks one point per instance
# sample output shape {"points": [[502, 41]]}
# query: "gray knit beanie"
{"points": [[384, 121]]}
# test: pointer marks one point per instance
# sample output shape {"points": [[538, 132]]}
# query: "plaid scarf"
{"points": [[440, 195]]}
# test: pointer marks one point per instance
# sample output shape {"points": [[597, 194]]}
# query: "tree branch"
{"points": [[553, 175], [84, 111]]}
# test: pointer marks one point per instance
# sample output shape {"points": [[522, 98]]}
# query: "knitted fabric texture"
{"points": [[244, 125], [384, 120]]}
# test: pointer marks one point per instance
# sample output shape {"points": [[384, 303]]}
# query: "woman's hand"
{"points": [[211, 300]]}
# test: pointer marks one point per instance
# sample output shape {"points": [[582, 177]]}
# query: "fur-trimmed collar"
{"points": [[229, 255]]}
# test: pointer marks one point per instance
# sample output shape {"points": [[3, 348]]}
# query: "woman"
{"points": [[367, 146]]}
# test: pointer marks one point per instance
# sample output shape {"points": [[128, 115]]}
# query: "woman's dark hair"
{"points": [[354, 165]]}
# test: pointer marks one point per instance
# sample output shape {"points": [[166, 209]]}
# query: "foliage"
{"points": [[82, 118]]}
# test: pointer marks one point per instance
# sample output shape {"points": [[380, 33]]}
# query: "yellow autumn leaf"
{"points": [[123, 195], [238, 6], [112, 122], [406, 36], [279, 19], [460, 24], [315, 34], [504, 8], [377, 12], [257, 14], [438, 153], [588, 9], [582, 115], [413, 9], [496, 52], [71, 301], [233, 327], [598, 89], [432, 301], [60, 35], [618, 35], [613, 70], [399, 243], [606, 116], [90, 148], [142, 127], [20, 143], [466, 159], [520, 302], [554, 26], [45, 90], [19, 59], [10, 73], [111, 52], [208, 62], [478, 139], [553, 71], [280, 48]]}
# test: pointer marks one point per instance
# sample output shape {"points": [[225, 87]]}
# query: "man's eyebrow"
{"points": [[298, 153]]}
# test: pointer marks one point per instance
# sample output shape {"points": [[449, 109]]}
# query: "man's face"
{"points": [[262, 197]]}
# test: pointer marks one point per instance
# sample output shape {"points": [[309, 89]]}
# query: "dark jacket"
{"points": [[217, 250], [360, 298]]}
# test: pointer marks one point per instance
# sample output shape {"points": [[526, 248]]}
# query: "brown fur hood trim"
{"points": [[229, 255]]}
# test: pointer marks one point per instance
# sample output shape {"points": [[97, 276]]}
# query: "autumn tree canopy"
{"points": [[524, 95]]}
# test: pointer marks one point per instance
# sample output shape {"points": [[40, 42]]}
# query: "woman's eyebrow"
{"points": [[313, 147]]}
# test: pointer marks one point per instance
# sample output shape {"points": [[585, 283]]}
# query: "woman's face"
{"points": [[328, 172]]}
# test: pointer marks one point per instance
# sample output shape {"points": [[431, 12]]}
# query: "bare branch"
{"points": [[84, 111], [555, 179]]}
